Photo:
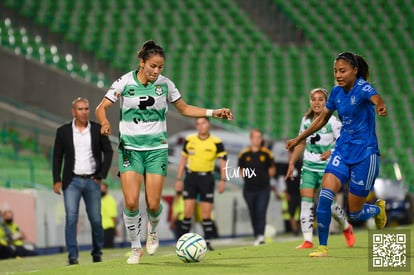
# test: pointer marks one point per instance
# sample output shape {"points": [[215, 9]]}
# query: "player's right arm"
{"points": [[101, 116], [111, 96], [317, 124], [297, 152]]}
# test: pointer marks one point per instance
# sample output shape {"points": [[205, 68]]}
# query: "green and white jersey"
{"points": [[143, 110], [319, 142]]}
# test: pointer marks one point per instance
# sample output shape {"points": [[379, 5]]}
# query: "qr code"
{"points": [[389, 250]]}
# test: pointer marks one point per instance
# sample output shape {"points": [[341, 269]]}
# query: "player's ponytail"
{"points": [[363, 68], [150, 48]]}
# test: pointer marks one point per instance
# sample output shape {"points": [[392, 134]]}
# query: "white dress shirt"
{"points": [[84, 162]]}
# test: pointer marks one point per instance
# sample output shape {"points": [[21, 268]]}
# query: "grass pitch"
{"points": [[235, 257]]}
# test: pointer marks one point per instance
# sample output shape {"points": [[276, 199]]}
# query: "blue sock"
{"points": [[323, 215], [368, 211]]}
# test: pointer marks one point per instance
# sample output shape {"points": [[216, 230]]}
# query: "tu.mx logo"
{"points": [[233, 172]]}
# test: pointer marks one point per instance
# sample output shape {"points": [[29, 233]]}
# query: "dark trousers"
{"points": [[6, 252], [109, 236], [257, 202], [21, 251]]}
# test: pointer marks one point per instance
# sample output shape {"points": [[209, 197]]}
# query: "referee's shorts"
{"points": [[199, 185]]}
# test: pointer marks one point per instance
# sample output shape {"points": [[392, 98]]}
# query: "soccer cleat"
{"points": [[209, 247], [136, 254], [96, 259], [349, 236], [73, 261], [321, 251], [259, 240], [152, 243], [306, 244], [381, 217]]}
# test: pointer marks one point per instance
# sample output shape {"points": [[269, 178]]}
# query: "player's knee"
{"points": [[131, 203]]}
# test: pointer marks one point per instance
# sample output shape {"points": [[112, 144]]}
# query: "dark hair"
{"points": [[150, 48], [358, 61], [310, 112], [363, 68]]}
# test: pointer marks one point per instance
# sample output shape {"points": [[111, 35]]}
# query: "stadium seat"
{"points": [[215, 44]]}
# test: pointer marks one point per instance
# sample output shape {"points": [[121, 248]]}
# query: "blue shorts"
{"points": [[361, 175]]}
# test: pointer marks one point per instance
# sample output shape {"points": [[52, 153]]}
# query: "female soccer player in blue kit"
{"points": [[355, 158], [316, 150]]}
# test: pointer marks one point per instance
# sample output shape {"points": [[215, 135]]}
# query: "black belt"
{"points": [[200, 173], [83, 176]]}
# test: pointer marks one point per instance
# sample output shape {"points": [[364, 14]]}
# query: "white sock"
{"points": [[308, 236], [306, 220], [133, 228], [339, 215], [154, 219]]}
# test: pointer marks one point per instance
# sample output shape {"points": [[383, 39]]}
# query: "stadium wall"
{"points": [[52, 90]]}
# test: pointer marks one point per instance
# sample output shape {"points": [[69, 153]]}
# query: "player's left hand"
{"points": [[325, 155], [382, 110], [223, 113]]}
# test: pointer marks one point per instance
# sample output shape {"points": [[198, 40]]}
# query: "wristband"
{"points": [[209, 113], [222, 179]]}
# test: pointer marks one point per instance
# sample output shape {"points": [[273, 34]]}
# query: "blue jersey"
{"points": [[358, 139]]}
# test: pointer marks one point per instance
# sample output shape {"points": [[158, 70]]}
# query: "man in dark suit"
{"points": [[87, 157]]}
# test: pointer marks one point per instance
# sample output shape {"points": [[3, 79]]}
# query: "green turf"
{"points": [[277, 257]]}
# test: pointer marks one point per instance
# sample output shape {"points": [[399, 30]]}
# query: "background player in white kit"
{"points": [[143, 149]]}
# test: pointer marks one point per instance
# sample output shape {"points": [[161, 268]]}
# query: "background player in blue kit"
{"points": [[355, 158]]}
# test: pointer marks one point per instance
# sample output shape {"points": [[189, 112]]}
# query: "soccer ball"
{"points": [[191, 248]]}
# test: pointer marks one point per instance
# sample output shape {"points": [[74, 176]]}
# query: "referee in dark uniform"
{"points": [[199, 155], [257, 167]]}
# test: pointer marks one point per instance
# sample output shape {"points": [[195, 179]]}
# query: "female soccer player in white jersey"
{"points": [[355, 158], [143, 148], [317, 150]]}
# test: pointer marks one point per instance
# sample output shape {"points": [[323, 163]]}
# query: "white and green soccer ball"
{"points": [[191, 248]]}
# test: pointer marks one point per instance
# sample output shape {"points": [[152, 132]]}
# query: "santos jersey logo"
{"points": [[145, 101]]}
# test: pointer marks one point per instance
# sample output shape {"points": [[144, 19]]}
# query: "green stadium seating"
{"points": [[217, 56], [33, 47], [379, 32]]}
